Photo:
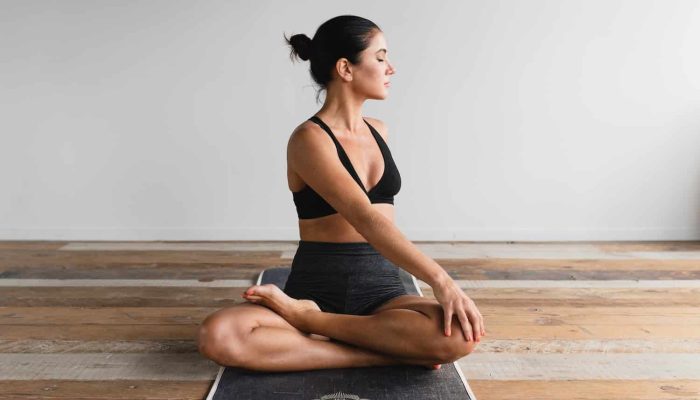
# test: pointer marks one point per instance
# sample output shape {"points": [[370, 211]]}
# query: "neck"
{"points": [[342, 110]]}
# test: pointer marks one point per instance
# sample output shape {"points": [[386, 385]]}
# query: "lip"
{"points": [[387, 83]]}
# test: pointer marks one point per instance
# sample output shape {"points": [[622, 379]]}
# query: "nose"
{"points": [[392, 70]]}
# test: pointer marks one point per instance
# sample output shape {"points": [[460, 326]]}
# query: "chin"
{"points": [[379, 96]]}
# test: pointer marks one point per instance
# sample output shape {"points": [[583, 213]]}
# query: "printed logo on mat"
{"points": [[340, 396]]}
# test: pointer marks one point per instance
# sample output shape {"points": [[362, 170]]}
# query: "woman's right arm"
{"points": [[313, 155]]}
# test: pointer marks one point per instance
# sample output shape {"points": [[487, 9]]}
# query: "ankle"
{"points": [[380, 360], [303, 320]]}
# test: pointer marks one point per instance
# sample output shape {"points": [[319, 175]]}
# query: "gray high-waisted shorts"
{"points": [[343, 278]]}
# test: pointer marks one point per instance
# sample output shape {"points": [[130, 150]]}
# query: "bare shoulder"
{"points": [[380, 126], [312, 156], [309, 134]]}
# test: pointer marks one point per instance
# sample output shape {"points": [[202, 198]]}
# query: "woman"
{"points": [[344, 304]]}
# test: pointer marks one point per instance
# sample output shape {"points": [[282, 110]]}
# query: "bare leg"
{"points": [[290, 351], [257, 338], [384, 332]]}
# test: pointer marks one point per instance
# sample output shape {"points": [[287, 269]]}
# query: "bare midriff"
{"points": [[335, 228]]}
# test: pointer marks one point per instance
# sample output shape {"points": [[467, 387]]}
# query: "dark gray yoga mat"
{"points": [[411, 382]]}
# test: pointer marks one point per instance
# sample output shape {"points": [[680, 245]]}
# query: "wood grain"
{"points": [[569, 320]]}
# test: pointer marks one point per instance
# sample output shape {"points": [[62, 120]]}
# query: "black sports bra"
{"points": [[310, 204]]}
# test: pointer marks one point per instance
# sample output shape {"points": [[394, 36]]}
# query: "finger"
{"points": [[476, 325], [475, 318], [448, 321], [479, 320], [466, 328]]}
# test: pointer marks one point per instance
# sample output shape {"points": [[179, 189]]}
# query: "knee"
{"points": [[217, 340], [455, 346], [448, 348], [456, 349]]}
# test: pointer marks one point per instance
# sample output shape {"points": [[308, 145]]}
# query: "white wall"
{"points": [[508, 120]]}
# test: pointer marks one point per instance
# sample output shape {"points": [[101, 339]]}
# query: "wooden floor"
{"points": [[117, 320]]}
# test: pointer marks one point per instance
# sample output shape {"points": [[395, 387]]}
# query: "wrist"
{"points": [[440, 279]]}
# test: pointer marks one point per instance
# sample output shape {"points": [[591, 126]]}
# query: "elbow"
{"points": [[365, 219]]}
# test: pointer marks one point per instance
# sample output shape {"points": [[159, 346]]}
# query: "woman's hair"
{"points": [[343, 36]]}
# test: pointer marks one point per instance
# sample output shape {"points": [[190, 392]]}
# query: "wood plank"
{"points": [[576, 298], [48, 346], [568, 284], [499, 366], [70, 296], [47, 316], [590, 316], [660, 246], [463, 283], [493, 330], [585, 389], [205, 272], [107, 366], [561, 250], [43, 389], [618, 366], [123, 283], [492, 345], [579, 247], [564, 250], [247, 269], [98, 332], [30, 245], [154, 296], [77, 259], [631, 265], [483, 389], [433, 250], [277, 246], [540, 269], [560, 346]]}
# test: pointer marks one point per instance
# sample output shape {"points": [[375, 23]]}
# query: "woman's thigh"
{"points": [[239, 320], [410, 302], [244, 317]]}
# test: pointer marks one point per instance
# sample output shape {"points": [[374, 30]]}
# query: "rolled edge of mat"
{"points": [[415, 282], [214, 386]]}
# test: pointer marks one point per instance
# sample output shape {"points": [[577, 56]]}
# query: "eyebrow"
{"points": [[384, 50]]}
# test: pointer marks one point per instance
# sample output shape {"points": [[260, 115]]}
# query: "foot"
{"points": [[432, 366], [415, 362], [272, 297]]}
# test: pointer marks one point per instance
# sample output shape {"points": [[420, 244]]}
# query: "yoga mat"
{"points": [[410, 382]]}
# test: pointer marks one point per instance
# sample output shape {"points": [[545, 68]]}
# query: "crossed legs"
{"points": [[277, 337]]}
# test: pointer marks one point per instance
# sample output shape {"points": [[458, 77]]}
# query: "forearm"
{"points": [[384, 236]]}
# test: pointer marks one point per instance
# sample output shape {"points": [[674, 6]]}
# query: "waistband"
{"points": [[306, 246]]}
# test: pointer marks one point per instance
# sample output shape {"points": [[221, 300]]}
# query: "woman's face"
{"points": [[374, 71]]}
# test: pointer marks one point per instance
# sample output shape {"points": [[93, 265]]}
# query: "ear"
{"points": [[344, 69]]}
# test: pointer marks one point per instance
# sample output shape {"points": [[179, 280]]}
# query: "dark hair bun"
{"points": [[344, 36], [302, 46]]}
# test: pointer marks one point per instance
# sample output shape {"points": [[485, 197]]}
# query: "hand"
{"points": [[455, 302]]}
